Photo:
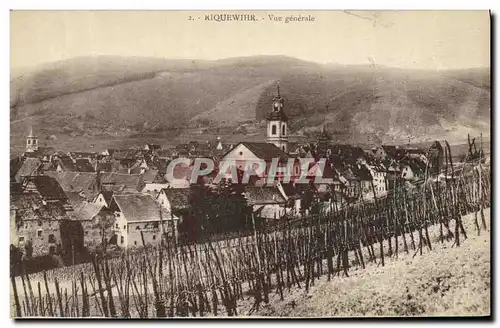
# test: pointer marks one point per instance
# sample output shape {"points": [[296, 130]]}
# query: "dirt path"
{"points": [[446, 281]]}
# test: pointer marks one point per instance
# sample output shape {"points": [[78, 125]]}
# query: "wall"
{"points": [[151, 232], [29, 231], [270, 211]]}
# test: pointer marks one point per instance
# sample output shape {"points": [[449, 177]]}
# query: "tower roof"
{"points": [[279, 114], [31, 135]]}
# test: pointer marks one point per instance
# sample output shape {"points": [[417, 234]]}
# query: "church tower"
{"points": [[31, 142], [277, 123]]}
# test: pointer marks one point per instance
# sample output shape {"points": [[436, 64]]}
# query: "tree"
{"points": [[219, 210]]}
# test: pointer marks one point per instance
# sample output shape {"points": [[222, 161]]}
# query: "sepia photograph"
{"points": [[250, 164]]}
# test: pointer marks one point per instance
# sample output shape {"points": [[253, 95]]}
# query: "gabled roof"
{"points": [[75, 181], [178, 198], [150, 175], [128, 154], [66, 163], [291, 192], [82, 154], [152, 146], [86, 211], [48, 187], [83, 165], [138, 207], [264, 150], [108, 195], [31, 207], [166, 153], [128, 181], [103, 167], [362, 173], [29, 167], [263, 195]]}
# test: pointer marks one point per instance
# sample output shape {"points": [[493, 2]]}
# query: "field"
{"points": [[447, 281]]}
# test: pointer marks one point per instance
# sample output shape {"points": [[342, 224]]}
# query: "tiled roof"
{"points": [[48, 187], [138, 207], [263, 195], [75, 181], [86, 211], [266, 151], [31, 207], [178, 198], [128, 181], [29, 167], [83, 165]]}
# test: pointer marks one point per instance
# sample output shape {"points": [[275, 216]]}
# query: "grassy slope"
{"points": [[446, 281], [113, 96]]}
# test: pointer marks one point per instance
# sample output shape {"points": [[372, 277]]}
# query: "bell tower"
{"points": [[31, 142], [277, 123]]}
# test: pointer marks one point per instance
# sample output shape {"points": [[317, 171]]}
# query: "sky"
{"points": [[405, 39]]}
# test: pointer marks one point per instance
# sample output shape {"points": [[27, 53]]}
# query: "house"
{"points": [[166, 154], [36, 221], [74, 155], [379, 176], [104, 198], [96, 221], [174, 201], [266, 202], [83, 165], [30, 167], [122, 182], [151, 176], [413, 169], [85, 184], [102, 167], [140, 213], [152, 147], [47, 188], [246, 153], [37, 212]]}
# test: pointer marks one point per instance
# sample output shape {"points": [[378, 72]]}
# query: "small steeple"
{"points": [[31, 142], [279, 89]]}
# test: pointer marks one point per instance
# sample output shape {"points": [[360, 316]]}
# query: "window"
{"points": [[283, 148], [155, 224], [116, 226], [21, 239], [29, 141], [273, 129], [52, 239], [39, 223], [135, 242], [86, 233], [241, 153], [154, 237], [39, 233], [122, 239], [283, 129], [124, 227]]}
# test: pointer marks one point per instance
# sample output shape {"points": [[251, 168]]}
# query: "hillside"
{"points": [[104, 98]]}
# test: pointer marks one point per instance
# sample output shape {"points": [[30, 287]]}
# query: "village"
{"points": [[66, 202]]}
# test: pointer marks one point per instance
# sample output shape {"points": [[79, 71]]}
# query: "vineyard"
{"points": [[212, 278]]}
